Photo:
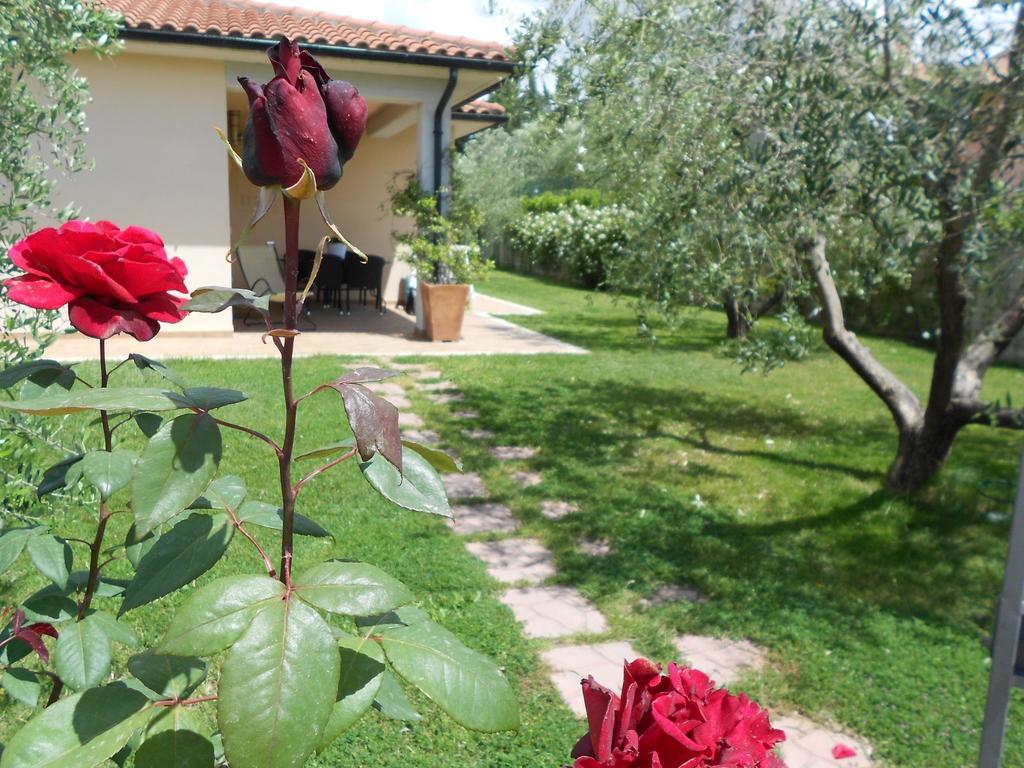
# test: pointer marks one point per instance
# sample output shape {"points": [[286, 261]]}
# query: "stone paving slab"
{"points": [[810, 745], [424, 436], [488, 517], [527, 479], [594, 547], [399, 401], [446, 398], [673, 593], [571, 664], [387, 388], [468, 485], [466, 415], [553, 611], [479, 434], [513, 452], [409, 419], [556, 510], [721, 659], [427, 373], [440, 386], [515, 560]]}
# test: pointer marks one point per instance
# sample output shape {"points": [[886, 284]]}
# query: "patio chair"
{"points": [[261, 273], [366, 278], [332, 274]]}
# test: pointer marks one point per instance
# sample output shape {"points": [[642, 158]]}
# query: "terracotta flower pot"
{"points": [[443, 309]]}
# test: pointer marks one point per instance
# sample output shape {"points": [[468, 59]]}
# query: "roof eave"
{"points": [[250, 43]]}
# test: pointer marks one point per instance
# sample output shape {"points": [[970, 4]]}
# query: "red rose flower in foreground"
{"points": [[679, 720], [302, 114], [112, 279]]}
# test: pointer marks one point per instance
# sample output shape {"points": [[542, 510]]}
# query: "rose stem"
{"points": [[291, 311], [97, 543]]}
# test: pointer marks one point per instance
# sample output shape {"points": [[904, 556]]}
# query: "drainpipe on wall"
{"points": [[442, 105]]}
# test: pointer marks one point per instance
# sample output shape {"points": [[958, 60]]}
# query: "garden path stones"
{"points": [[721, 659], [527, 479], [594, 547], [556, 510], [673, 593], [553, 611], [423, 436], [468, 485], [409, 419], [513, 452], [387, 389], [425, 374], [440, 386], [809, 745], [571, 664], [488, 517], [446, 398], [479, 434], [512, 561], [466, 415]]}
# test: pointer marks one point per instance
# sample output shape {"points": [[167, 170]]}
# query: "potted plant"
{"points": [[445, 253]]}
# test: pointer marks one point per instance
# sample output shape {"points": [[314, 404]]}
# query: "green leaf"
{"points": [[226, 492], [63, 474], [21, 685], [418, 487], [170, 677], [11, 376], [277, 688], [175, 467], [215, 299], [82, 657], [80, 731], [50, 380], [184, 553], [114, 629], [333, 449], [108, 472], [392, 702], [464, 683], [108, 586], [207, 398], [136, 547], [145, 363], [12, 542], [439, 460], [51, 556], [215, 616], [99, 399], [149, 423], [173, 741], [350, 588], [50, 604], [362, 669], [271, 516]]}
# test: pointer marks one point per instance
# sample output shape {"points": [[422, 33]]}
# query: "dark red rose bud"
{"points": [[300, 115]]}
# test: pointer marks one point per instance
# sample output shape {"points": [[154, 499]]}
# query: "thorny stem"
{"points": [[291, 311], [242, 530], [97, 543]]}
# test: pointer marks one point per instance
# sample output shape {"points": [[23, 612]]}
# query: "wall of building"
{"points": [[158, 163]]}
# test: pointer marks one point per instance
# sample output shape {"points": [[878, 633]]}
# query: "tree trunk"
{"points": [[738, 321], [920, 454]]}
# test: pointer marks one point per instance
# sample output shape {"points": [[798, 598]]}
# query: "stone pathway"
{"points": [[561, 614]]}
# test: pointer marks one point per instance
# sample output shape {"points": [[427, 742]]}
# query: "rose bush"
{"points": [[678, 720], [112, 280], [301, 114]]}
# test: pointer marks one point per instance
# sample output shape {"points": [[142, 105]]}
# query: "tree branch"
{"points": [[898, 398], [987, 345]]}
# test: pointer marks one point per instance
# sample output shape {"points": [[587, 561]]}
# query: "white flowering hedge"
{"points": [[576, 241]]}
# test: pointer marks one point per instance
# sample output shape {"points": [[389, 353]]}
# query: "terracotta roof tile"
{"points": [[246, 18], [481, 107]]}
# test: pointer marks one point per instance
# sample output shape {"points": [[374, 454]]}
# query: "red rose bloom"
{"points": [[111, 279], [679, 720]]}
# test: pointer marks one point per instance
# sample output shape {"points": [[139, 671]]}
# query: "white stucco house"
{"points": [[158, 162]]}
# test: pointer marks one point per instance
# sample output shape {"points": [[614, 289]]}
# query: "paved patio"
{"points": [[364, 332]]}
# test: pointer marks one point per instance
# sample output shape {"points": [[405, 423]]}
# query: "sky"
{"points": [[488, 20]]}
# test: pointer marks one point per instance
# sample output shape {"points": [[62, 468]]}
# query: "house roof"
{"points": [[481, 109], [251, 20]]}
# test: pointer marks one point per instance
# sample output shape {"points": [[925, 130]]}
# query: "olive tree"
{"points": [[811, 152]]}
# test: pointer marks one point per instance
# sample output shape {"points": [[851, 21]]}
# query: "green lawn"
{"points": [[764, 493]]}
